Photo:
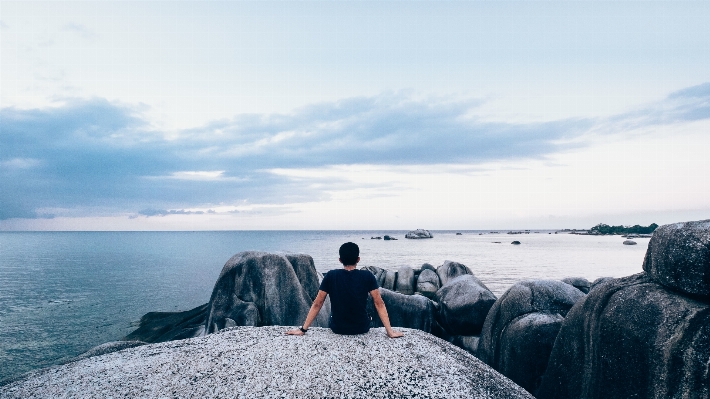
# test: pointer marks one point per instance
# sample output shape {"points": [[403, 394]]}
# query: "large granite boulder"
{"points": [[427, 266], [428, 283], [410, 311], [450, 270], [305, 270], [405, 280], [378, 272], [264, 362], [469, 343], [263, 289], [631, 338], [168, 326], [390, 280], [678, 257], [579, 283], [600, 280], [107, 348], [521, 327], [419, 233], [464, 303]]}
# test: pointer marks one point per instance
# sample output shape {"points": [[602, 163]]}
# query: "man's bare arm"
{"points": [[315, 308], [382, 312]]}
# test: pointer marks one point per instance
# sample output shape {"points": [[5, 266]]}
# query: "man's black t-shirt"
{"points": [[348, 299]]}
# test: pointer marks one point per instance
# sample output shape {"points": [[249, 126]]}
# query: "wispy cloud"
{"points": [[79, 29], [94, 153]]}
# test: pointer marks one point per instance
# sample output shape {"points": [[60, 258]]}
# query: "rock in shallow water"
{"points": [[265, 363], [419, 233]]}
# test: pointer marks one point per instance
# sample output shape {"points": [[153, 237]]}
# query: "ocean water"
{"points": [[62, 293]]}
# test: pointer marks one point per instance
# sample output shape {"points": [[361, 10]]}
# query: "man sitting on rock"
{"points": [[348, 288]]}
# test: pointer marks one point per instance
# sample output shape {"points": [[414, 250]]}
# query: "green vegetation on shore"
{"points": [[605, 229]]}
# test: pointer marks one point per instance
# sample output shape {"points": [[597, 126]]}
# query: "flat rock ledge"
{"points": [[250, 362]]}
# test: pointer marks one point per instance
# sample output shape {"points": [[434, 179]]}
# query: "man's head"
{"points": [[349, 254]]}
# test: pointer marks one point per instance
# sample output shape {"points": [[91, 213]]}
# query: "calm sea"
{"points": [[62, 293]]}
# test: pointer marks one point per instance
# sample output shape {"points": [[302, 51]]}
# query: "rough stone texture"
{"points": [[428, 283], [428, 266], [419, 233], [248, 362], [390, 280], [631, 338], [410, 311], [378, 272], [464, 303], [579, 283], [450, 270], [405, 280], [167, 326], [305, 270], [469, 343], [600, 280], [678, 257], [261, 289], [108, 347], [525, 347], [521, 328]]}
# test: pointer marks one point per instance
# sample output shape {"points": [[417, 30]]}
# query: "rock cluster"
{"points": [[642, 336], [253, 289], [248, 362], [522, 326]]}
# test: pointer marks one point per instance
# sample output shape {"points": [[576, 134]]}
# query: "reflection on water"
{"points": [[63, 293]]}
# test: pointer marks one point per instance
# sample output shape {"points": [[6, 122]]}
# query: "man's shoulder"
{"points": [[331, 273], [366, 274]]}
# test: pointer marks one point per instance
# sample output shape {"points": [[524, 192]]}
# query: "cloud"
{"points": [[79, 29], [165, 212], [94, 154]]}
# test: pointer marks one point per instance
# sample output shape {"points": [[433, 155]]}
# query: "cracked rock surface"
{"points": [[248, 362]]}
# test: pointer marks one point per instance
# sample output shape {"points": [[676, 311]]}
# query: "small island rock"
{"points": [[419, 233]]}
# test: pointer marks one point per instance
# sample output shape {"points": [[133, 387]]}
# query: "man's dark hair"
{"points": [[349, 253]]}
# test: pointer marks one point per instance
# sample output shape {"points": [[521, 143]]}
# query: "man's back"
{"points": [[348, 298]]}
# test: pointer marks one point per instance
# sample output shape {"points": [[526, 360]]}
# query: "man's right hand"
{"points": [[394, 334]]}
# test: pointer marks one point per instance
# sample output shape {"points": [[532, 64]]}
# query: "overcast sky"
{"points": [[353, 115]]}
